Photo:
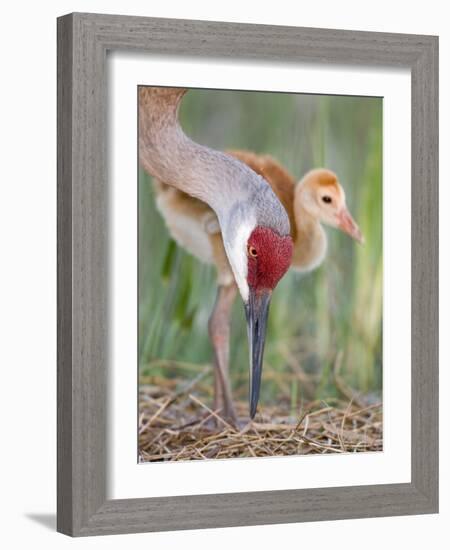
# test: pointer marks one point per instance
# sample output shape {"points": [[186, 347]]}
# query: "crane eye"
{"points": [[326, 199], [252, 252]]}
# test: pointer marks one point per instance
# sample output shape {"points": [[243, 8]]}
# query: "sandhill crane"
{"points": [[254, 226], [317, 198]]}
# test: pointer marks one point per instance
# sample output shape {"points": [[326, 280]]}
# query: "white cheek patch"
{"points": [[237, 256]]}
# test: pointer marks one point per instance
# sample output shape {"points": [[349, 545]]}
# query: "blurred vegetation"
{"points": [[332, 315]]}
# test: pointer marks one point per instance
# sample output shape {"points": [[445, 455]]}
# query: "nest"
{"points": [[176, 422]]}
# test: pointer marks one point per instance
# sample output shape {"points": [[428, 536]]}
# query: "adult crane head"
{"points": [[256, 234]]}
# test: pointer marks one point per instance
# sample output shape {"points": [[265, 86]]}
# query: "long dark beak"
{"points": [[257, 310]]}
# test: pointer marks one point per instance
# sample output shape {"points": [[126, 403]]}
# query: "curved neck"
{"points": [[310, 245], [169, 155]]}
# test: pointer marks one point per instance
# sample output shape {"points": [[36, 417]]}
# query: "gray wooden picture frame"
{"points": [[83, 42]]}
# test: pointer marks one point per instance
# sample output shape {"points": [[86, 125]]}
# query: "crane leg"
{"points": [[219, 333]]}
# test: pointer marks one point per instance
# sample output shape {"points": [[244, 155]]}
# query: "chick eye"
{"points": [[327, 199], [252, 252]]}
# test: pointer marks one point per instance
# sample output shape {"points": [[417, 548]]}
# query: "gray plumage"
{"points": [[235, 192]]}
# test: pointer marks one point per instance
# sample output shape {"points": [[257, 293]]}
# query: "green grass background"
{"points": [[335, 311]]}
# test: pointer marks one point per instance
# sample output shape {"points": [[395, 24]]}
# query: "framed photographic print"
{"points": [[247, 274], [177, 294]]}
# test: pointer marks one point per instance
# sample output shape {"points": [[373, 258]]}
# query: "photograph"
{"points": [[260, 274]]}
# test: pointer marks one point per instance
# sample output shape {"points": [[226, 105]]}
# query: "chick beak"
{"points": [[257, 310], [347, 224]]}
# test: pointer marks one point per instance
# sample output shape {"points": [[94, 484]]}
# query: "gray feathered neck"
{"points": [[234, 191]]}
